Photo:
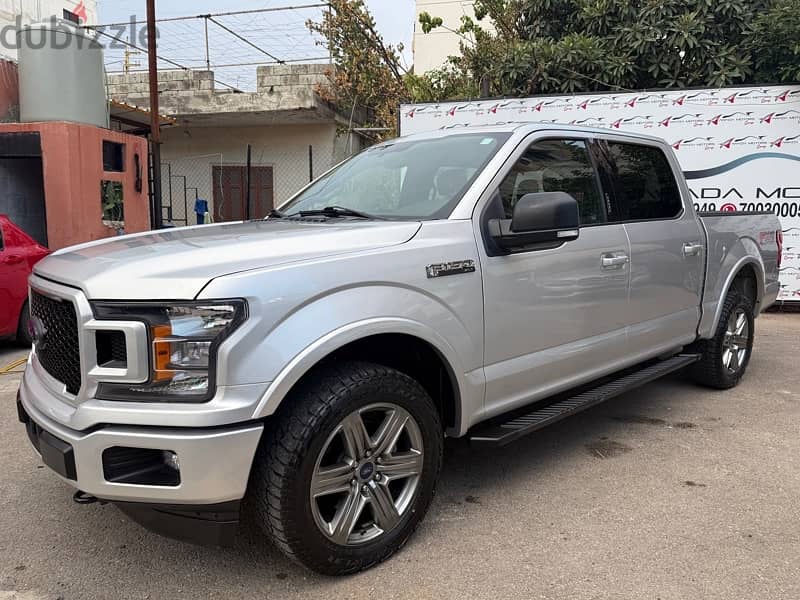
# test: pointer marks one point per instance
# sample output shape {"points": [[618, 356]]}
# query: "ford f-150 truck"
{"points": [[476, 282]]}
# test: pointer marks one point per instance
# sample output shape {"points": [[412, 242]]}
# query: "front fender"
{"points": [[330, 322]]}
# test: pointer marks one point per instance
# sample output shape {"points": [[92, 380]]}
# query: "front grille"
{"points": [[55, 325]]}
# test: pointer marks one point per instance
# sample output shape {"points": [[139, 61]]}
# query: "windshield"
{"points": [[403, 179]]}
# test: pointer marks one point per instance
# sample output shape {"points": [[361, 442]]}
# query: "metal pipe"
{"points": [[247, 184], [310, 162], [208, 57], [155, 124]]}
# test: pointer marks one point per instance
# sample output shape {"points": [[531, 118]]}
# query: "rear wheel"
{"points": [[23, 329], [349, 467], [725, 356]]}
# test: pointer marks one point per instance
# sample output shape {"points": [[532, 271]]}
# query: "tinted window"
{"points": [[646, 187], [554, 166], [404, 178]]}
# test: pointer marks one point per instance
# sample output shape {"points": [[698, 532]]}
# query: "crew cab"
{"points": [[469, 282], [18, 253]]}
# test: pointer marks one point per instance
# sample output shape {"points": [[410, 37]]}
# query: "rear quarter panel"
{"points": [[734, 241]]}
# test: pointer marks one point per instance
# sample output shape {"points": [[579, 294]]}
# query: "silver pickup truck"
{"points": [[306, 367]]}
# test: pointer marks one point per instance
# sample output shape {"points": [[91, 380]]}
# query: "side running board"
{"points": [[513, 429]]}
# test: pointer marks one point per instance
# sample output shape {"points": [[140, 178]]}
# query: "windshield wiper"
{"points": [[335, 211]]}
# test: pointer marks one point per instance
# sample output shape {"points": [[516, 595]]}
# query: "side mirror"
{"points": [[542, 218]]}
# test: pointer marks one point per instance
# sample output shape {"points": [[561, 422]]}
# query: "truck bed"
{"points": [[733, 238]]}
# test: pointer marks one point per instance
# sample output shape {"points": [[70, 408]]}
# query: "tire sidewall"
{"points": [[737, 302], [391, 387]]}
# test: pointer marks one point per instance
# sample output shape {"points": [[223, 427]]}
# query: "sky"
{"points": [[394, 18]]}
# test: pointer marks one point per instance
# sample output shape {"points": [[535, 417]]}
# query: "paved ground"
{"points": [[667, 492]]}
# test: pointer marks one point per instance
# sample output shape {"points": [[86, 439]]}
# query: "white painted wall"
{"points": [[32, 11], [193, 152], [432, 49]]}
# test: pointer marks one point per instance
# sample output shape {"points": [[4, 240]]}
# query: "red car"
{"points": [[18, 254]]}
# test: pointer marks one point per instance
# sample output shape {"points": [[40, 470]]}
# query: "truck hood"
{"points": [[178, 263]]}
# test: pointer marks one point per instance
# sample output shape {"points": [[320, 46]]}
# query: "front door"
{"points": [[554, 317], [667, 247], [229, 196]]}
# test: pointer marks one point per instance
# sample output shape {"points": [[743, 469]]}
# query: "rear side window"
{"points": [[555, 166], [645, 185]]}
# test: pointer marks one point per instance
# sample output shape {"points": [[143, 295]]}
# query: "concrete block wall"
{"points": [[282, 78], [122, 85], [279, 87]]}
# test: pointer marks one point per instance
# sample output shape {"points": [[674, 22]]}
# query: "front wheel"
{"points": [[349, 467], [725, 356]]}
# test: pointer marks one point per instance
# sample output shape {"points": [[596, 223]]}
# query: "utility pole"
{"points": [[155, 124]]}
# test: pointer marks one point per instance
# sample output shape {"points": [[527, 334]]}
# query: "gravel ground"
{"points": [[667, 492]]}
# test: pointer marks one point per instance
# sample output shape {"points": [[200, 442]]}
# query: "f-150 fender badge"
{"points": [[450, 268]]}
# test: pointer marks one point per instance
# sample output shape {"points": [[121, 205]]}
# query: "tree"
{"points": [[548, 46], [776, 43], [367, 78]]}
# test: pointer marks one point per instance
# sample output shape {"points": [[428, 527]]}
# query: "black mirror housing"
{"points": [[540, 218]]}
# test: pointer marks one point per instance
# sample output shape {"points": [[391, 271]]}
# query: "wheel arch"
{"points": [[747, 276], [407, 346]]}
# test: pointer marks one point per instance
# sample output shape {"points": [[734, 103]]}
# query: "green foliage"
{"points": [[551, 46], [776, 42], [111, 201], [367, 80], [525, 47]]}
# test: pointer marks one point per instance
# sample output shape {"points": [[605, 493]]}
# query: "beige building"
{"points": [[432, 49], [14, 12], [294, 136]]}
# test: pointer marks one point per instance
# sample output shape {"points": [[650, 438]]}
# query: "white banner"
{"points": [[739, 147]]}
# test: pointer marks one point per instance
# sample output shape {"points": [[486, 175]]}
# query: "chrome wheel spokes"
{"points": [[736, 341]]}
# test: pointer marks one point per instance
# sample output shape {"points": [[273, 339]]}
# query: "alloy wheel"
{"points": [[736, 342], [366, 475]]}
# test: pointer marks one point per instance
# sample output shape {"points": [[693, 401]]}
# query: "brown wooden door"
{"points": [[229, 196]]}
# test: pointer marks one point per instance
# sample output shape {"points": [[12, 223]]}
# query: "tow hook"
{"points": [[81, 497]]}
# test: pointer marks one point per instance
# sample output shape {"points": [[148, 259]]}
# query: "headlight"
{"points": [[183, 340]]}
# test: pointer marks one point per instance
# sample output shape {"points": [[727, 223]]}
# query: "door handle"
{"points": [[611, 261], [13, 259], [692, 249]]}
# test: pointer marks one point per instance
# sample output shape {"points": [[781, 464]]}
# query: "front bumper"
{"points": [[214, 462]]}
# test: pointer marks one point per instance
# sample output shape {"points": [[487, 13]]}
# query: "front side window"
{"points": [[403, 179], [554, 166], [645, 185]]}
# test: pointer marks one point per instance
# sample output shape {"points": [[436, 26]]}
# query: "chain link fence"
{"points": [[212, 187]]}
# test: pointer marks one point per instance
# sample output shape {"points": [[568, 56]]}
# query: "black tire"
{"points": [[23, 331], [711, 370], [287, 458]]}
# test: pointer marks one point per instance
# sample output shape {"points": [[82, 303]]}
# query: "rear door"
{"points": [[667, 245], [555, 316]]}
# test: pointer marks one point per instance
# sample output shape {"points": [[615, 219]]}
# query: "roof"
{"points": [[133, 119]]}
